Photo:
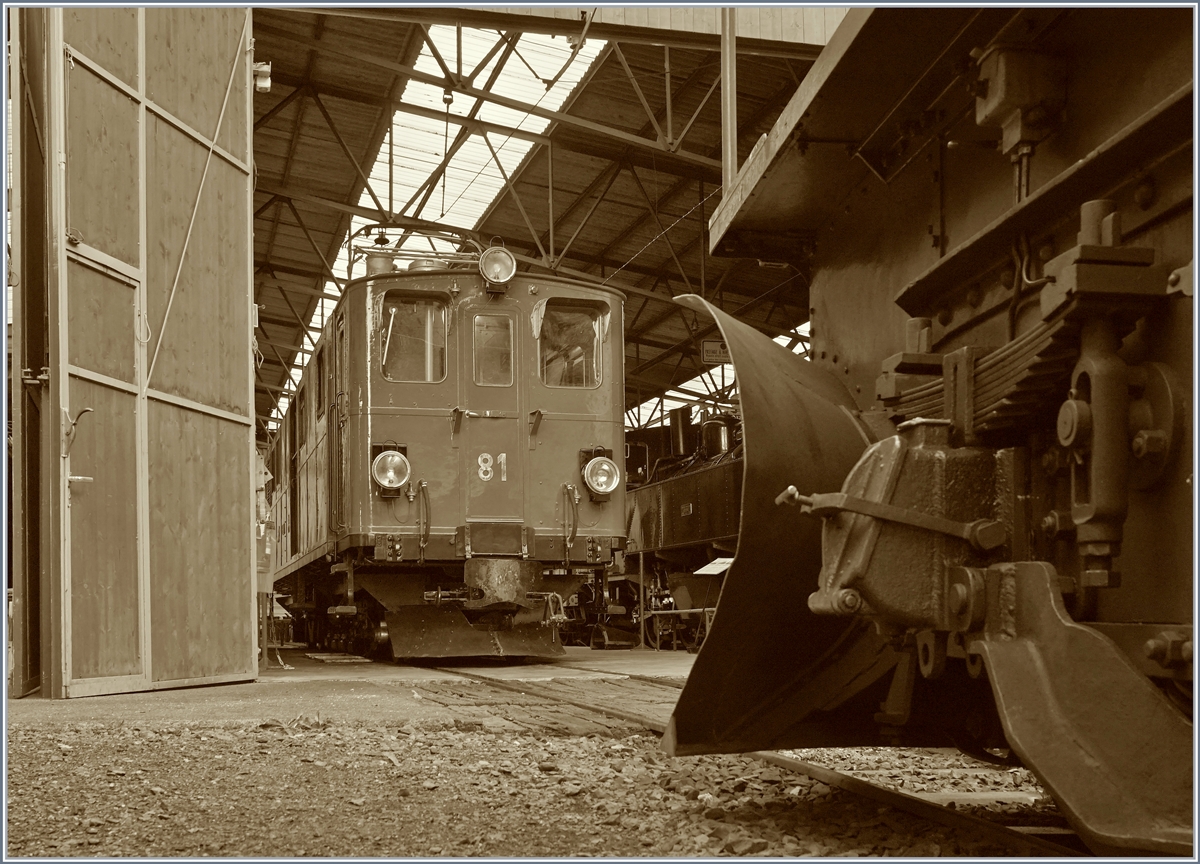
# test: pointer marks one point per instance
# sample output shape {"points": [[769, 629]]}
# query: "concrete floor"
{"points": [[359, 692], [576, 663]]}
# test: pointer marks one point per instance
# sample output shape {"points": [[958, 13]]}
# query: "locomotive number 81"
{"points": [[445, 475]]}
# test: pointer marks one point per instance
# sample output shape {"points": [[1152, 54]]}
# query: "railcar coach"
{"points": [[445, 475]]}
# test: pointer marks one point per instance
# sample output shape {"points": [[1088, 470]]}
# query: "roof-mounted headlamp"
{"points": [[497, 265]]}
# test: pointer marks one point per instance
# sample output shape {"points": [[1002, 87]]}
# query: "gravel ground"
{"points": [[305, 786]]}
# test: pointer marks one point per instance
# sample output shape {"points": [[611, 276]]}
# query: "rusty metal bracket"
{"points": [[983, 534]]}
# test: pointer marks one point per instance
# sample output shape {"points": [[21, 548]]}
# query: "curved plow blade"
{"points": [[772, 674]]}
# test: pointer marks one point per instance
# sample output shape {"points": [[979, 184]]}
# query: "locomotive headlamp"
{"points": [[602, 475], [391, 470], [497, 265]]}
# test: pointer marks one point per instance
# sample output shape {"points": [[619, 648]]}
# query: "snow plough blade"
{"points": [[771, 674]]}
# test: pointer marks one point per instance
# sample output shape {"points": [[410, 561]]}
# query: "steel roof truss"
{"points": [[512, 190], [281, 105], [662, 139], [312, 242], [508, 102], [425, 190], [437, 55], [662, 232], [346, 150]]}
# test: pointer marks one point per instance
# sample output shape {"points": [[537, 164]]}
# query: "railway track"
{"points": [[1021, 840]]}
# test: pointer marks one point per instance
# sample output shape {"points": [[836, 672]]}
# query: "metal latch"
{"points": [[27, 377], [983, 534]]}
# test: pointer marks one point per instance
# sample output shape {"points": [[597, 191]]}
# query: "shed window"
{"points": [[412, 336], [493, 350], [302, 414], [569, 345], [321, 387]]}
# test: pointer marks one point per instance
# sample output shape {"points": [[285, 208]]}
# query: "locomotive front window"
{"points": [[569, 345], [412, 338], [493, 350]]}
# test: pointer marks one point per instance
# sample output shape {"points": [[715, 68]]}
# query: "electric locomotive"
{"points": [[444, 476], [969, 519]]}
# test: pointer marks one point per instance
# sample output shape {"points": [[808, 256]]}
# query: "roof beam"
{"points": [[687, 344], [366, 212], [508, 102], [490, 20]]}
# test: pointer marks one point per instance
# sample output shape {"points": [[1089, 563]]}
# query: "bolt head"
{"points": [[848, 600], [959, 596], [1148, 442], [1074, 422]]}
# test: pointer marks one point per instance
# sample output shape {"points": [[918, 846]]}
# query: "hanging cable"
{"points": [[660, 235], [1021, 281], [447, 100]]}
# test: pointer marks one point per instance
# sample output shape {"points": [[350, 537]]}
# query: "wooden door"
{"points": [[145, 541]]}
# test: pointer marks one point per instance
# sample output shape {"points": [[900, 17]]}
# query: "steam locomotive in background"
{"points": [[685, 490], [444, 477], [968, 521]]}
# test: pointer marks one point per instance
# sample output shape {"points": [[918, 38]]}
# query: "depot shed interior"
{"points": [[128, 208], [619, 187]]}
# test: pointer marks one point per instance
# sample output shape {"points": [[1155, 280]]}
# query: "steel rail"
{"points": [[1013, 839], [1022, 843], [524, 688]]}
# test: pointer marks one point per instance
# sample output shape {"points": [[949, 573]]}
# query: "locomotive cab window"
{"points": [[569, 341], [493, 350], [412, 338]]}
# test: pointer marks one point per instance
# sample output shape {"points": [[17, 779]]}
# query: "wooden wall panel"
{"points": [[208, 326], [102, 165], [201, 522], [189, 54], [833, 17], [146, 557], [100, 319], [812, 25], [107, 35], [105, 621]]}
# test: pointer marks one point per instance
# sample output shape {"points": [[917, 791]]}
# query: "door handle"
{"points": [[69, 434], [535, 421]]}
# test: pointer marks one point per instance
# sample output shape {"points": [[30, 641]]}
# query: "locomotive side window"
{"points": [[493, 350], [569, 345], [412, 333]]}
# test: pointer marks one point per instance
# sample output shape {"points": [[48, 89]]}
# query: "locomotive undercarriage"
{"points": [[481, 607]]}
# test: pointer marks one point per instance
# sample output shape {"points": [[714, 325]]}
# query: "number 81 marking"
{"points": [[486, 472]]}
